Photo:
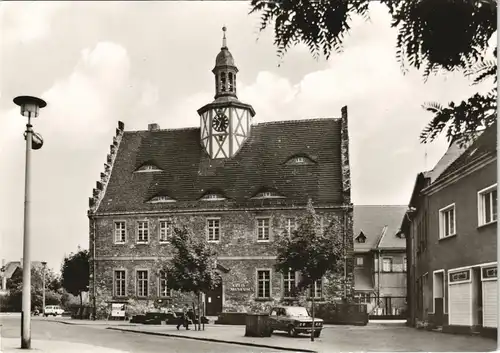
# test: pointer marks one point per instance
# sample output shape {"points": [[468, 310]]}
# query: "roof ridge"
{"points": [[295, 121], [380, 205], [172, 129]]}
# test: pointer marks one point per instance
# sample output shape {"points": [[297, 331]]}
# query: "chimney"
{"points": [[153, 127]]}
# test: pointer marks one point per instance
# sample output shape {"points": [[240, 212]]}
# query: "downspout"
{"points": [[345, 252], [378, 275], [93, 270]]}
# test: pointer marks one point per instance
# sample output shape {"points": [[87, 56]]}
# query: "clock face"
{"points": [[220, 122]]}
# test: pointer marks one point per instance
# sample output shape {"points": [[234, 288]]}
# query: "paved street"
{"points": [[374, 337], [46, 329]]}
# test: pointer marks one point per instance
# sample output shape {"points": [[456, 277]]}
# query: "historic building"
{"points": [[237, 183], [452, 240], [380, 259]]}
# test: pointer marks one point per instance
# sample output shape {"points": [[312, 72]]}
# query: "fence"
{"points": [[388, 307]]}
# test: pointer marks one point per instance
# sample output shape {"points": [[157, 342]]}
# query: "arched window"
{"points": [[223, 82], [230, 82]]}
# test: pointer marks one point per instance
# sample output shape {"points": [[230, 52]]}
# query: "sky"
{"points": [[150, 62]]}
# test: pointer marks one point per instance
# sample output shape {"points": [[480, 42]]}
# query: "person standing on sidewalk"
{"points": [[184, 321]]}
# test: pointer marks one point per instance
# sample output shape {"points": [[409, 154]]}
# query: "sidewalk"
{"points": [[233, 335], [11, 345]]}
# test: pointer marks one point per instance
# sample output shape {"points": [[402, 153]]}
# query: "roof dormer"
{"points": [[300, 159], [268, 194], [161, 199], [148, 166], [361, 238], [213, 196]]}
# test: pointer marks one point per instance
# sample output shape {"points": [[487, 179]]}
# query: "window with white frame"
{"points": [[213, 229], [142, 231], [447, 221], [142, 283], [264, 284], [364, 298], [359, 260], [166, 230], [120, 232], [386, 265], [263, 229], [288, 284], [487, 205], [120, 283], [316, 289], [290, 226], [163, 290]]}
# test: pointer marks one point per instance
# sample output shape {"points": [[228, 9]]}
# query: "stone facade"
{"points": [[238, 250]]}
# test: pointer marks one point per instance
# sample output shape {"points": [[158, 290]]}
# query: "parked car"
{"points": [[53, 310], [294, 320]]}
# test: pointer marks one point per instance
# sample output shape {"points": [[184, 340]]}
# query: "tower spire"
{"points": [[224, 43]]}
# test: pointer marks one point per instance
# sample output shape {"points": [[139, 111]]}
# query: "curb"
{"points": [[90, 325], [213, 340]]}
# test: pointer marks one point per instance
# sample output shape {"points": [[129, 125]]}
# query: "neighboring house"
{"points": [[452, 228], [238, 184], [7, 270], [380, 259]]}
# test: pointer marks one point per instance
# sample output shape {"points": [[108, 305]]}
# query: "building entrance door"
{"points": [[213, 301], [438, 297]]}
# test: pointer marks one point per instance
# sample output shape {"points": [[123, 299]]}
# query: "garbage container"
{"points": [[257, 325]]}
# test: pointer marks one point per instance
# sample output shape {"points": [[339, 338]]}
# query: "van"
{"points": [[53, 310]]}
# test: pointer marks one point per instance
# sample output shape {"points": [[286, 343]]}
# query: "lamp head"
{"points": [[30, 106], [44, 263]]}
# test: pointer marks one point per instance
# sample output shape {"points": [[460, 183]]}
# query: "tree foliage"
{"points": [[75, 273], [15, 288], [432, 35], [309, 250], [193, 266]]}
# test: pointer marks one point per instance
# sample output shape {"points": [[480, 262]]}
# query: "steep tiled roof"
{"points": [[9, 268], [188, 173], [482, 146], [378, 223]]}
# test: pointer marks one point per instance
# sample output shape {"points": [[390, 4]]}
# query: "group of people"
{"points": [[187, 317]]}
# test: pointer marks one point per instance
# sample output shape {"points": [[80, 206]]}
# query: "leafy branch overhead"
{"points": [[424, 41]]}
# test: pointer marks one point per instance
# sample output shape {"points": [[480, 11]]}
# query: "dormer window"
{"points": [[213, 197], [161, 199], [268, 195], [148, 167], [300, 160], [361, 238]]}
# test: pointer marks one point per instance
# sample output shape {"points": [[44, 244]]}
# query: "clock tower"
{"points": [[226, 122]]}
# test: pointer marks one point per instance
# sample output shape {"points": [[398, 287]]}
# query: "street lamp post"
{"points": [[44, 264], [30, 107]]}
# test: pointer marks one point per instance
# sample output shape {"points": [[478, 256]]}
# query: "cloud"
{"points": [[86, 104], [27, 21], [385, 113]]}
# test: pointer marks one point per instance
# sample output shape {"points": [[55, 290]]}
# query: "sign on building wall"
{"points": [[489, 272], [240, 287], [460, 276], [117, 310]]}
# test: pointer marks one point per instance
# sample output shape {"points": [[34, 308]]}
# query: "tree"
{"points": [[310, 251], [75, 273], [193, 266], [424, 40], [15, 287]]}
